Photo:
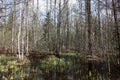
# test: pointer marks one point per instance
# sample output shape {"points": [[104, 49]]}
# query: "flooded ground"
{"points": [[67, 67]]}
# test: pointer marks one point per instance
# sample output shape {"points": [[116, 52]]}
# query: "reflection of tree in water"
{"points": [[77, 70]]}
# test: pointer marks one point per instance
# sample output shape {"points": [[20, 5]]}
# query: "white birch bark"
{"points": [[19, 33]]}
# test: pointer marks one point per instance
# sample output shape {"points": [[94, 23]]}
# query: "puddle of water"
{"points": [[65, 68]]}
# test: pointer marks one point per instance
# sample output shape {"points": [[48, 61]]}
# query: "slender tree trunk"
{"points": [[13, 28], [26, 31], [99, 28], [77, 36], [47, 22], [107, 39], [58, 30], [89, 26], [34, 25], [19, 33], [67, 19], [117, 35], [54, 46], [4, 25], [88, 9]]}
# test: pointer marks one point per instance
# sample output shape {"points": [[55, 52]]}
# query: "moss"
{"points": [[10, 67], [51, 63]]}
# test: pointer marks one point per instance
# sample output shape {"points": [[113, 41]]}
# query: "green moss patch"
{"points": [[51, 63], [11, 68]]}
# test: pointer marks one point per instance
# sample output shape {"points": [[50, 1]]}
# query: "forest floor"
{"points": [[69, 65]]}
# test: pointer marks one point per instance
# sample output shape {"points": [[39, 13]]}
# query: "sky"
{"points": [[42, 4]]}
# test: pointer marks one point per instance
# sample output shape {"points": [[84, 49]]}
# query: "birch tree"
{"points": [[13, 28]]}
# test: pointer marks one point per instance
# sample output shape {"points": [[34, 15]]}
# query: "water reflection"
{"points": [[78, 70], [67, 67]]}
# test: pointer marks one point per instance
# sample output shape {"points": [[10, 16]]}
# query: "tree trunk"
{"points": [[19, 33], [88, 9], [88, 16], [67, 19], [117, 35], [26, 31], [13, 27], [58, 30], [99, 28], [107, 39]]}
